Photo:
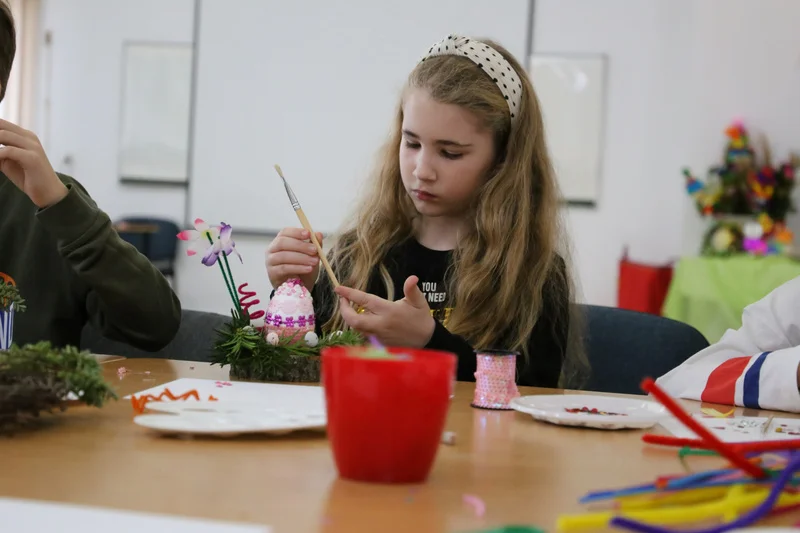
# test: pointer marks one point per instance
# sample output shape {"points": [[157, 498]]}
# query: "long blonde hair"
{"points": [[507, 259]]}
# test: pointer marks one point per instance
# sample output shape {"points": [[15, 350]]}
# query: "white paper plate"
{"points": [[612, 413], [225, 419], [235, 407]]}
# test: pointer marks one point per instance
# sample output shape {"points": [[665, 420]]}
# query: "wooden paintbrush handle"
{"points": [[304, 221]]}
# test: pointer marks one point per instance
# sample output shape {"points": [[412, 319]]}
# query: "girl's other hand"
{"points": [[406, 322], [292, 255]]}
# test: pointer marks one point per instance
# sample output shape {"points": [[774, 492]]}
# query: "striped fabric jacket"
{"points": [[755, 366]]}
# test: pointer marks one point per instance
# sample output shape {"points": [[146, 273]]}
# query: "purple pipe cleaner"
{"points": [[745, 520]]}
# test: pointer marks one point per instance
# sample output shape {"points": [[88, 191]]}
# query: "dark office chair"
{"points": [[155, 238], [625, 346], [193, 342]]}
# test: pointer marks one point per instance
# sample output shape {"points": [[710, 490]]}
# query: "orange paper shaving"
{"points": [[139, 403]]}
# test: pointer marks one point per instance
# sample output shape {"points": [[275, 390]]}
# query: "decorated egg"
{"points": [[291, 311]]}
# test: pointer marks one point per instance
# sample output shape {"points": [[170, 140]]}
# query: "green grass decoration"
{"points": [[250, 356], [9, 295], [37, 378]]}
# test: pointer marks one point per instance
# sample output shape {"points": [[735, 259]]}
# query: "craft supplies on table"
{"points": [[740, 428], [749, 487], [495, 379], [191, 406], [591, 411]]}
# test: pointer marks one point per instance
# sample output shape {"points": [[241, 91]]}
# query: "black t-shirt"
{"points": [[547, 344], [430, 266]]}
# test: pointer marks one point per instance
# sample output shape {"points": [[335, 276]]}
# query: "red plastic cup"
{"points": [[386, 415]]}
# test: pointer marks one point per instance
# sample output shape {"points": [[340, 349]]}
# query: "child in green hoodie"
{"points": [[63, 253]]}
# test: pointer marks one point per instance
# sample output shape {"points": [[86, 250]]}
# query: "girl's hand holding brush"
{"points": [[292, 255]]}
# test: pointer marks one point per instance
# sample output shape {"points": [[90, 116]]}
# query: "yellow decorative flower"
{"points": [[766, 223]]}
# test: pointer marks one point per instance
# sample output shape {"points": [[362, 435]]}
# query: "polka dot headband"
{"points": [[489, 60]]}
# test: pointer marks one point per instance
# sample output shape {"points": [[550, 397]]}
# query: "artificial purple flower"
{"points": [[224, 244]]}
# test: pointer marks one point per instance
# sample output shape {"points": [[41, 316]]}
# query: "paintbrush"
{"points": [[307, 225]]}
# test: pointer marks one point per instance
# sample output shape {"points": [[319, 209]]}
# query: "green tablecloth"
{"points": [[710, 293]]}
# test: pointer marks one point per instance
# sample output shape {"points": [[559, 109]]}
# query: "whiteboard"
{"points": [[156, 109], [571, 90], [313, 86]]}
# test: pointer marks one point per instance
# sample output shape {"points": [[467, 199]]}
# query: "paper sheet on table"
{"points": [[31, 515], [280, 395], [739, 428]]}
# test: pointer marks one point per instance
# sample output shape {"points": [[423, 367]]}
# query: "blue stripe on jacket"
{"points": [[752, 378]]}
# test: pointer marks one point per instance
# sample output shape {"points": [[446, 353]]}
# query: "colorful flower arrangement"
{"points": [[285, 346], [749, 200]]}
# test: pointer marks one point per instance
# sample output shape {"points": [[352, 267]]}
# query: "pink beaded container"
{"points": [[495, 379]]}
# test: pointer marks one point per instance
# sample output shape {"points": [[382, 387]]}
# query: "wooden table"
{"points": [[526, 472]]}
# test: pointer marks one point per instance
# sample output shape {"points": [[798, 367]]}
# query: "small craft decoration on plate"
{"points": [[227, 419], [600, 412]]}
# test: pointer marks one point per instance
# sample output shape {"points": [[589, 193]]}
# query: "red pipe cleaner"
{"points": [[248, 300], [733, 455]]}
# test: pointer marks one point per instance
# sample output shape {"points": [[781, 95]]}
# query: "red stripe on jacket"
{"points": [[721, 384]]}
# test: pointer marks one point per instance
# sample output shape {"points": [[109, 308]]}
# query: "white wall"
{"points": [[679, 72], [79, 119], [81, 73], [641, 196], [736, 73], [676, 78]]}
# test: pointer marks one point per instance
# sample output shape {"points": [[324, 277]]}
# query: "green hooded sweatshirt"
{"points": [[72, 268]]}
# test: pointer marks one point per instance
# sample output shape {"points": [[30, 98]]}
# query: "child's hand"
{"points": [[292, 255], [406, 322], [23, 161]]}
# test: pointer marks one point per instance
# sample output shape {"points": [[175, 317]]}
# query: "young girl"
{"points": [[461, 225]]}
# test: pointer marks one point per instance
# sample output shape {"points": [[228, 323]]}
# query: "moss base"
{"points": [[299, 369]]}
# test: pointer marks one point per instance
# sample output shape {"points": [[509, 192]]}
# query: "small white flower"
{"points": [[272, 338], [200, 238], [311, 339]]}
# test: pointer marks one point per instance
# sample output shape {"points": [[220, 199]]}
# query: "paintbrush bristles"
{"points": [[307, 226]]}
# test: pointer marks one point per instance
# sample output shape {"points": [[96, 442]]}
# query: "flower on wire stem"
{"points": [[199, 238], [215, 241], [223, 245]]}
